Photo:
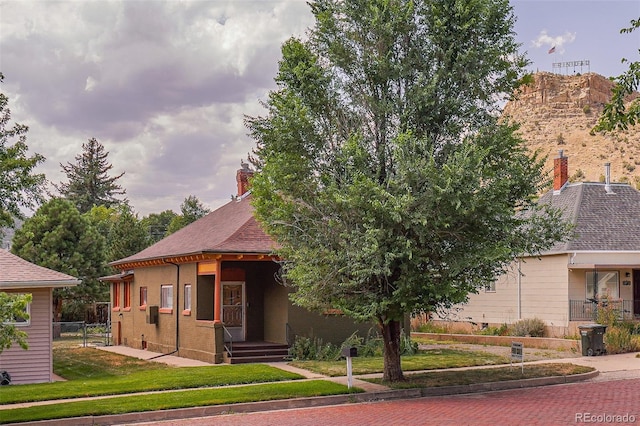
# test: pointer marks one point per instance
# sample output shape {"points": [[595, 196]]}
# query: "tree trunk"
{"points": [[391, 338]]}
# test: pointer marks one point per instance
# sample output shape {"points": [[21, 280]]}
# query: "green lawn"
{"points": [[499, 374], [425, 360], [172, 400], [92, 372]]}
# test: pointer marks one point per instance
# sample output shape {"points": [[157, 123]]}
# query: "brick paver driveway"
{"points": [[610, 402]]}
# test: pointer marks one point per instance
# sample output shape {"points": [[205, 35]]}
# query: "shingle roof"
{"points": [[16, 272], [603, 222], [230, 229]]}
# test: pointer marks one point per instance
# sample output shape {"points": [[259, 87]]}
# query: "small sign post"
{"points": [[517, 354]]}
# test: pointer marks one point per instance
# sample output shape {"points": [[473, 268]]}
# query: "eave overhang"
{"points": [[193, 258]]}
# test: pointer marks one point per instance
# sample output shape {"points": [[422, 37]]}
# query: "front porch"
{"points": [[587, 310]]}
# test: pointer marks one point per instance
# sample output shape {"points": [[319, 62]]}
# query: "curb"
{"points": [[319, 401]]}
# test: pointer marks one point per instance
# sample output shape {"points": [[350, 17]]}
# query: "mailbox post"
{"points": [[349, 353]]}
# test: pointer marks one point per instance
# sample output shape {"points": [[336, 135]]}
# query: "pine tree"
{"points": [[89, 182]]}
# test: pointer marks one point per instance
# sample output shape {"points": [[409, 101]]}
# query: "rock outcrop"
{"points": [[557, 112]]}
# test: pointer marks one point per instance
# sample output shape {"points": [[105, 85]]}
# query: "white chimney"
{"points": [[607, 178]]}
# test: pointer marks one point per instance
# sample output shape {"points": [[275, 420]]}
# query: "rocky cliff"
{"points": [[557, 112]]}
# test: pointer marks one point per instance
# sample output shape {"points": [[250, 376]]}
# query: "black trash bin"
{"points": [[592, 339]]}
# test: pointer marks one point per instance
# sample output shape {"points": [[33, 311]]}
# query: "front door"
{"points": [[636, 292], [233, 316]]}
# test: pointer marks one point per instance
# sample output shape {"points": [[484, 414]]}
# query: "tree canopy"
{"points": [[383, 172], [616, 115], [191, 210], [89, 183], [13, 308], [20, 186], [58, 237]]}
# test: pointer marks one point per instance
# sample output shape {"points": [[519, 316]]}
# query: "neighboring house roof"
{"points": [[230, 229], [17, 273], [603, 221]]}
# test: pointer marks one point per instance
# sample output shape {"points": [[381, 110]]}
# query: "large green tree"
{"points": [[383, 172], [124, 233], [58, 237], [13, 308], [127, 236], [191, 210], [157, 224], [20, 187], [89, 183], [618, 115]]}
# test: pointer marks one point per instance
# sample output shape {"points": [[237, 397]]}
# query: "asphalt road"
{"points": [[597, 402]]}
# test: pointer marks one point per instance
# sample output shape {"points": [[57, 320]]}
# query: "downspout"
{"points": [[177, 313]]}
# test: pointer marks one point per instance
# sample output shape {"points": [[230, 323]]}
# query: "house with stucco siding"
{"points": [[212, 291]]}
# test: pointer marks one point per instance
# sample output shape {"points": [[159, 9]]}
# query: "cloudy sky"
{"points": [[164, 85]]}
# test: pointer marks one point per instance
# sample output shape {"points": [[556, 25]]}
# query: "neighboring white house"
{"points": [[559, 286], [34, 365]]}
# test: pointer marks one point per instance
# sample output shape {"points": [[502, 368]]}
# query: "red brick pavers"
{"points": [[613, 402]]}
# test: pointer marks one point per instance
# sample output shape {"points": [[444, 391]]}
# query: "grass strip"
{"points": [[425, 360], [488, 375], [172, 400], [147, 380]]}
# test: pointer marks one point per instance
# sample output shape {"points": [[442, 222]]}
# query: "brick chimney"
{"points": [[242, 178], [560, 171]]}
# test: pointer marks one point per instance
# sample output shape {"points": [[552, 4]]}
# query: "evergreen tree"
{"points": [[89, 182]]}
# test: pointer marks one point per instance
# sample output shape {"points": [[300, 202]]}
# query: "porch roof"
{"points": [[17, 273], [603, 266], [231, 229]]}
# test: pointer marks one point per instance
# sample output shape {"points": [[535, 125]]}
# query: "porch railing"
{"points": [[228, 346], [587, 310]]}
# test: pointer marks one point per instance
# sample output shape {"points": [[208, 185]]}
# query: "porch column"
{"points": [[217, 297], [218, 332]]}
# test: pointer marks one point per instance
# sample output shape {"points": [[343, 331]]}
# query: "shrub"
{"points": [[533, 327], [560, 139], [607, 314], [503, 330], [305, 348], [586, 109], [619, 340]]}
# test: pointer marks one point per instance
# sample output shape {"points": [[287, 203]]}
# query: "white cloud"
{"points": [[549, 41]]}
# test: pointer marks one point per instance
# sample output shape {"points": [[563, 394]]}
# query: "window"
{"points": [[22, 320], [126, 295], [143, 297], [602, 284], [166, 298], [490, 287], [116, 296], [187, 299]]}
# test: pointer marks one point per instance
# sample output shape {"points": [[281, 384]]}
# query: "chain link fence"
{"points": [[84, 334]]}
